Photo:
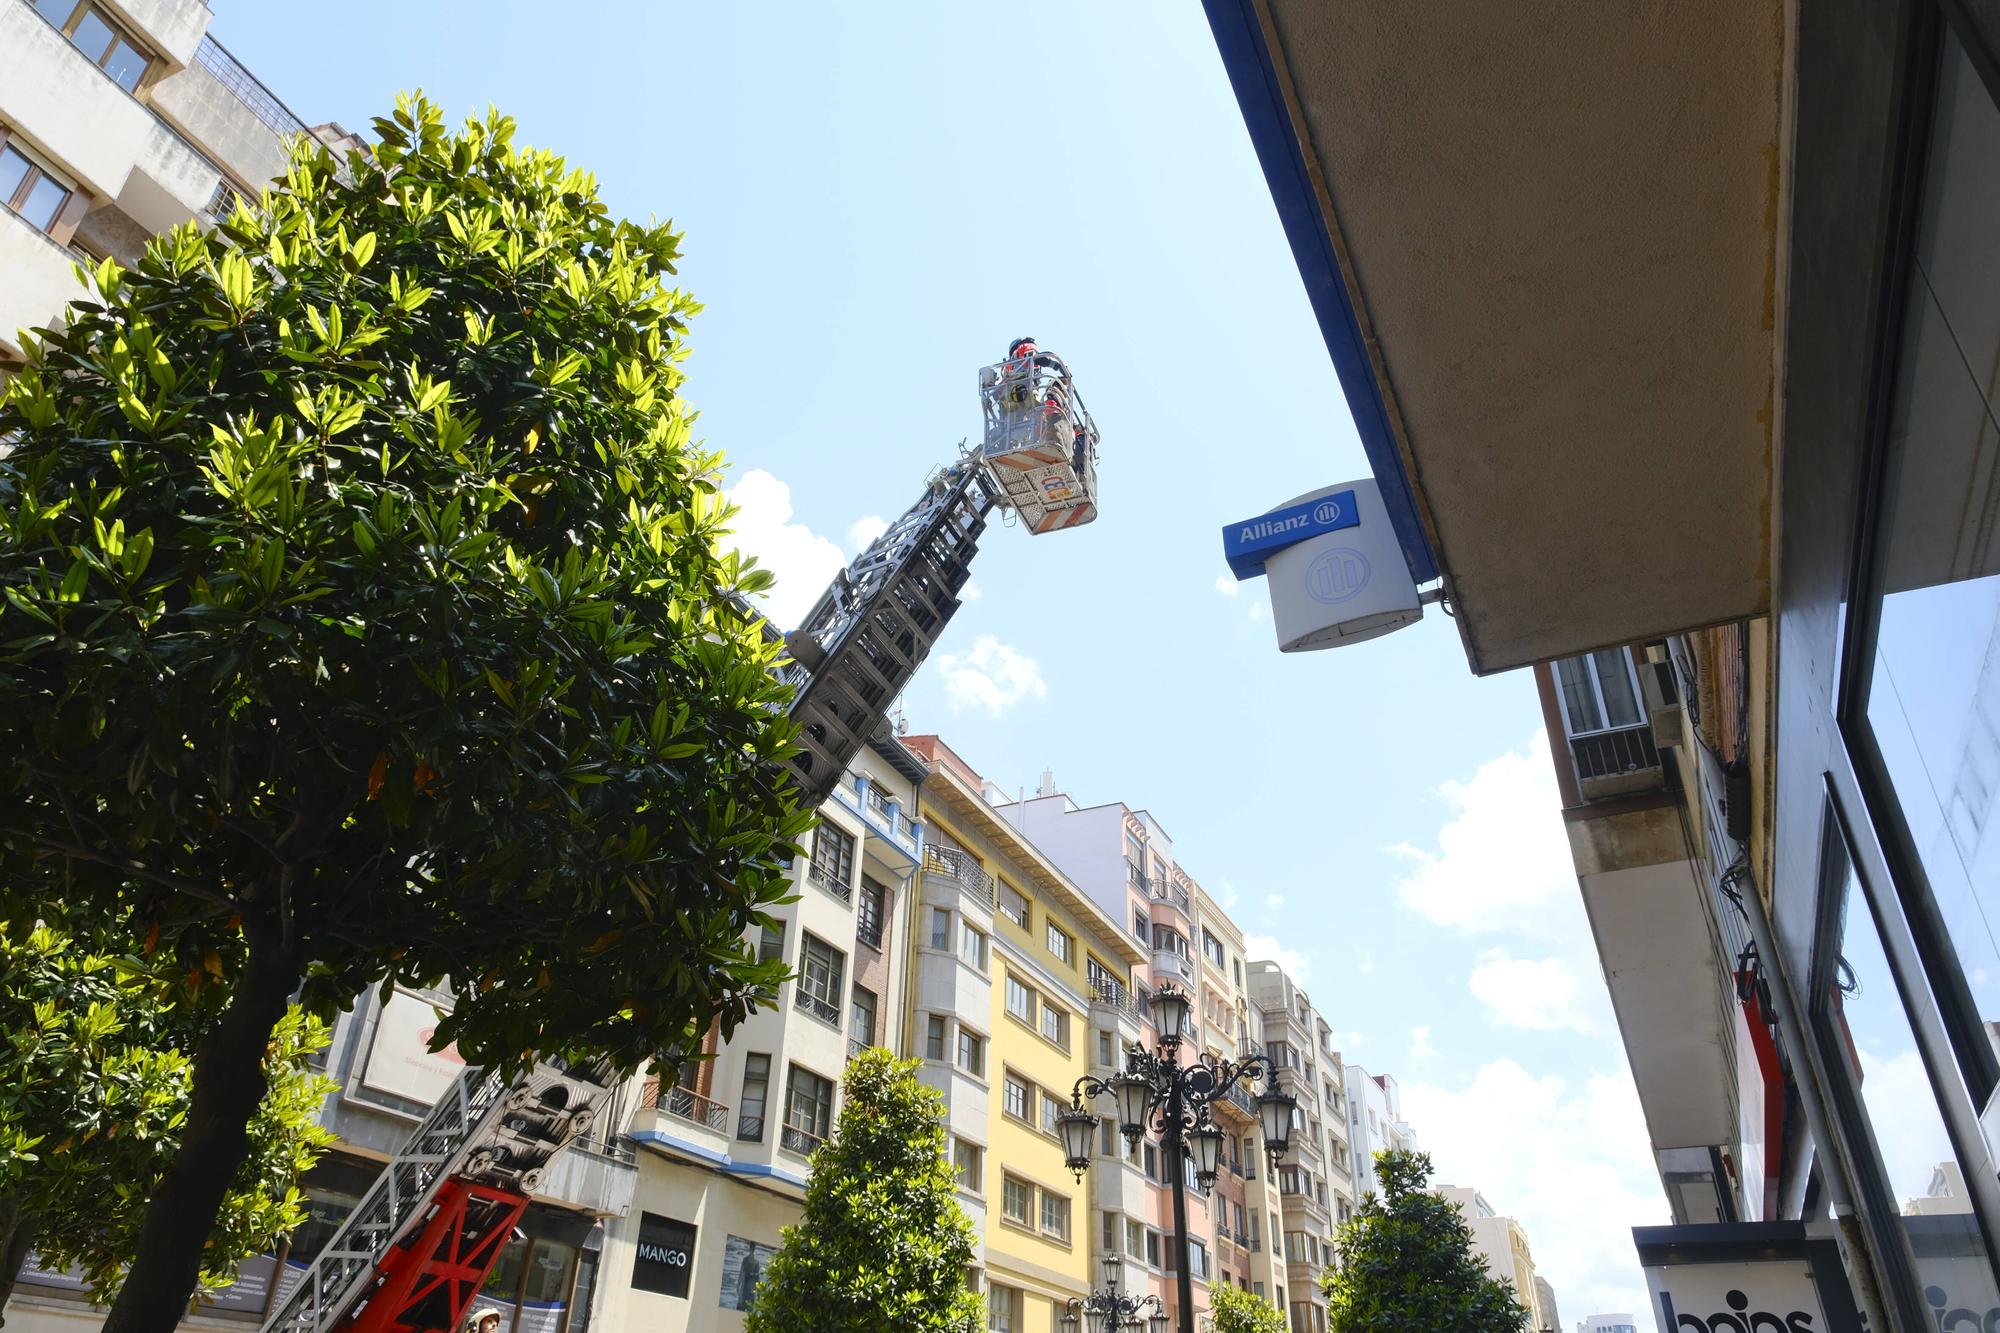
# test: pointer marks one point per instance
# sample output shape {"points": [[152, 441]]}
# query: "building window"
{"points": [[1212, 946], [1055, 1216], [1599, 692], [940, 928], [861, 1017], [1055, 1025], [1061, 945], [1106, 1051], [972, 945], [1020, 1001], [808, 1110], [1013, 905], [821, 967], [31, 190], [870, 920], [1142, 928], [102, 42], [934, 1037], [1197, 1260], [1014, 1200], [771, 944], [1135, 1240], [1153, 1248], [1003, 1309], [756, 1091], [1015, 1099], [833, 859], [1051, 1110], [972, 1053], [965, 1160]]}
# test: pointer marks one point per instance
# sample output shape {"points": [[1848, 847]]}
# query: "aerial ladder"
{"points": [[414, 1251]]}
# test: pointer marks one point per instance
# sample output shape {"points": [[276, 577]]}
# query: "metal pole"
{"points": [[1177, 1154]]}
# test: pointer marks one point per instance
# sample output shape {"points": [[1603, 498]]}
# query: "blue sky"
{"points": [[876, 199]]}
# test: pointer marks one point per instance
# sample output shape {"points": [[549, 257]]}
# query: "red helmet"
{"points": [[1020, 347]]}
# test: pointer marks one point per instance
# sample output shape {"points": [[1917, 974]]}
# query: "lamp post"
{"points": [[1156, 1092], [1109, 1310]]}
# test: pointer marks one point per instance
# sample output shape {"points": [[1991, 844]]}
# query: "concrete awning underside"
{"points": [[1557, 225]]}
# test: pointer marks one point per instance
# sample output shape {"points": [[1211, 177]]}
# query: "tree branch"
{"points": [[129, 866]]}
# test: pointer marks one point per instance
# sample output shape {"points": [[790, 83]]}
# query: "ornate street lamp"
{"points": [[1108, 1310], [1156, 1093]]}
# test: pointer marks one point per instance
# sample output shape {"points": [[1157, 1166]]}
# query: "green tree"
{"points": [[94, 1083], [883, 1243], [1234, 1310], [362, 612], [1405, 1260]]}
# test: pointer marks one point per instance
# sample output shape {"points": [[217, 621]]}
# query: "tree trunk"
{"points": [[228, 1085], [17, 1237]]}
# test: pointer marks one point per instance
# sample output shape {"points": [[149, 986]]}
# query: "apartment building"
{"points": [[1545, 1302], [1316, 1182], [723, 1143], [119, 119], [1736, 496], [1123, 859], [1023, 986], [1247, 1251], [1375, 1123], [1502, 1243]]}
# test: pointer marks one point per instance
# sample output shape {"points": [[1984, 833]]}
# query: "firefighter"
{"points": [[483, 1321]]}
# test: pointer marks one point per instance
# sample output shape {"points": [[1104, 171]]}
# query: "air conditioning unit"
{"points": [[1660, 689]]}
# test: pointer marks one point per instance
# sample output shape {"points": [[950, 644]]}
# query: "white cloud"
{"points": [[971, 592], [1538, 994], [1572, 1164], [1228, 896], [803, 561], [1259, 610], [1365, 964], [865, 530], [1420, 1045], [991, 675], [1227, 585], [1503, 854], [1898, 1093], [1261, 947], [1273, 901]]}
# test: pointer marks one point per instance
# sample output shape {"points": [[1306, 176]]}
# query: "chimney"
{"points": [[1048, 787]]}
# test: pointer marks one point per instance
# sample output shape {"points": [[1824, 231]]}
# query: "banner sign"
{"points": [[1757, 1277]]}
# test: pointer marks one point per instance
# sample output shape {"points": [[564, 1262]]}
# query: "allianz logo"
{"points": [[1738, 1318], [1958, 1318]]}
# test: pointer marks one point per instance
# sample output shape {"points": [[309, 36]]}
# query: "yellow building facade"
{"points": [[1053, 967]]}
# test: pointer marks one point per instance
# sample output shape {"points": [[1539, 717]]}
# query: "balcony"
{"points": [[869, 932], [795, 1138], [856, 1046], [1106, 991], [958, 868], [686, 1104], [834, 886], [1615, 763], [1166, 891], [892, 833], [824, 1010], [1171, 963], [40, 278]]}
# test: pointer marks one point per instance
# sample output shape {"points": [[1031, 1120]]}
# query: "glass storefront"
{"points": [[1932, 685], [1872, 1050]]}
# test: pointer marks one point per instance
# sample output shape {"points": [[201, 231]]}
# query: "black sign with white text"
{"points": [[664, 1260]]}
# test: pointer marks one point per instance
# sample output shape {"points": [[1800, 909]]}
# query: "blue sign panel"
{"points": [[1247, 545]]}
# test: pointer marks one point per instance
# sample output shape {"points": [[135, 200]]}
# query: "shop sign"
{"points": [[400, 1060], [664, 1260], [1745, 1277]]}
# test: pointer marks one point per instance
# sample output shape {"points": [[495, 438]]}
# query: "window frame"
{"points": [[831, 991], [38, 170], [1061, 944], [763, 1098], [1001, 904], [1597, 698]]}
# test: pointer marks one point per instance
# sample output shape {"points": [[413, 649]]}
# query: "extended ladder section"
{"points": [[875, 624], [418, 1245], [476, 1156]]}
